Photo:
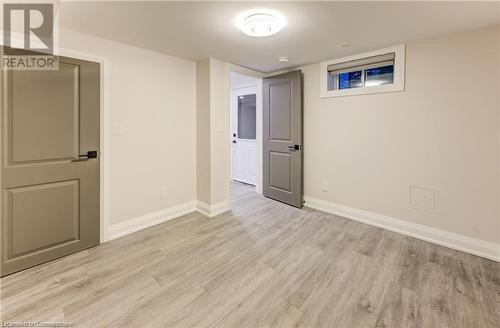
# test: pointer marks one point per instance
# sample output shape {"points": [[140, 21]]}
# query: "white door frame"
{"points": [[258, 131], [104, 134]]}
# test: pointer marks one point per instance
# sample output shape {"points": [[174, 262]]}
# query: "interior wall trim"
{"points": [[441, 237], [121, 229], [212, 210]]}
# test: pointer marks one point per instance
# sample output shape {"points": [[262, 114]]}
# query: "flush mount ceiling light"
{"points": [[260, 22]]}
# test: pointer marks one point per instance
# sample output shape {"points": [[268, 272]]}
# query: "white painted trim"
{"points": [[260, 140], [259, 127], [437, 236], [245, 86], [104, 134], [212, 210], [124, 228], [260, 164], [245, 71], [399, 74]]}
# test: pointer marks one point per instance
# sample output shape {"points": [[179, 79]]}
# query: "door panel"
{"points": [[280, 164], [51, 131], [245, 161], [282, 120], [50, 197], [280, 115], [32, 209]]}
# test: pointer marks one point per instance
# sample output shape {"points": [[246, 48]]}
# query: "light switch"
{"points": [[117, 129], [163, 192]]}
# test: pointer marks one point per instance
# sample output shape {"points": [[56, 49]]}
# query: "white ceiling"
{"points": [[314, 30]]}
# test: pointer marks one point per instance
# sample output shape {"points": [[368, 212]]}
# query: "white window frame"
{"points": [[397, 85]]}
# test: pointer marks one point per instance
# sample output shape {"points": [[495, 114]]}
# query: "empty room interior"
{"points": [[250, 164]]}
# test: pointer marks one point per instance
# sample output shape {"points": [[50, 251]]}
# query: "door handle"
{"points": [[294, 147], [234, 141], [90, 154]]}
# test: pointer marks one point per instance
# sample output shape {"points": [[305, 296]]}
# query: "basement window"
{"points": [[378, 71]]}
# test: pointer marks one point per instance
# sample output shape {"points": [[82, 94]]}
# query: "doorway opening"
{"points": [[245, 105]]}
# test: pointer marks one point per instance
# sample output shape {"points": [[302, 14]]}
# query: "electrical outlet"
{"points": [[324, 186], [163, 192]]}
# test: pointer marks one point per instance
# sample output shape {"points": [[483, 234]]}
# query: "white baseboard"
{"points": [[212, 210], [124, 228], [437, 236]]}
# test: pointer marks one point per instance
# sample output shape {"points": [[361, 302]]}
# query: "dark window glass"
{"points": [[350, 80], [379, 76], [246, 117]]}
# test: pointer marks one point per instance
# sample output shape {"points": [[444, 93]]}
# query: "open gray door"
{"points": [[50, 164], [282, 118]]}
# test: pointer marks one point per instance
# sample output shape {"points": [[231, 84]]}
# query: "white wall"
{"points": [[154, 97], [212, 128], [442, 132], [203, 131], [219, 130], [215, 99]]}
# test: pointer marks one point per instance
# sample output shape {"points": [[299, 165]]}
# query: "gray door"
{"points": [[50, 190], [282, 118]]}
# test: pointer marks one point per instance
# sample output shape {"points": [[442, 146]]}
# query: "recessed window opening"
{"points": [[364, 72], [376, 71]]}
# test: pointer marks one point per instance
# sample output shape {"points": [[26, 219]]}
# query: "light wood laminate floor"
{"points": [[265, 264]]}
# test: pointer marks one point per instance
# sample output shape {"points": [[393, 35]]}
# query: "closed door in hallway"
{"points": [[243, 141], [50, 165]]}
